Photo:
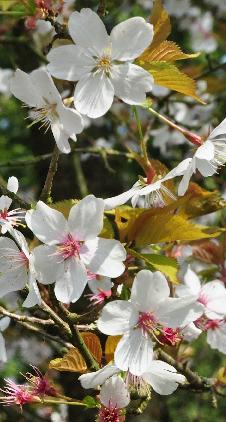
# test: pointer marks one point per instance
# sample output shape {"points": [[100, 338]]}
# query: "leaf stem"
{"points": [[141, 136], [46, 191]]}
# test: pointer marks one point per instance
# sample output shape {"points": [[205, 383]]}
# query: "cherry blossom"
{"points": [[4, 323], [161, 376], [208, 157], [154, 191], [212, 295], [142, 319], [17, 269], [72, 247], [9, 219], [216, 334], [101, 63], [17, 394], [114, 396], [39, 93]]}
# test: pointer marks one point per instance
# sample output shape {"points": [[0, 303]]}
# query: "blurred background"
{"points": [[197, 26]]}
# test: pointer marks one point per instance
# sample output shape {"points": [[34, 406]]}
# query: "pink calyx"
{"points": [[99, 298], [203, 299], [170, 336]]}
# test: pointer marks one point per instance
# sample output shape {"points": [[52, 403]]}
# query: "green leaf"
{"points": [[90, 402], [166, 265]]}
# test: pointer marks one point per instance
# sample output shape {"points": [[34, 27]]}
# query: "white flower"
{"points": [[38, 91], [71, 247], [191, 332], [9, 219], [114, 396], [154, 193], [165, 138], [149, 310], [4, 323], [208, 157], [161, 376], [101, 63], [202, 36], [212, 295], [17, 268], [216, 334], [178, 7]]}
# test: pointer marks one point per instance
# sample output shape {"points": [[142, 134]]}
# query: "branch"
{"points": [[25, 318], [81, 180], [46, 191], [90, 150], [196, 382], [60, 322], [102, 8], [43, 333]]}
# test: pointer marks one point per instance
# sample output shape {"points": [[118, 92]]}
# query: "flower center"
{"points": [[212, 324], [146, 322], [170, 336], [44, 114], [69, 248], [109, 414], [104, 64]]}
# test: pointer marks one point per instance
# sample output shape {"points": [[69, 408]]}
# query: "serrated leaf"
{"points": [[71, 362], [168, 75], [93, 344], [166, 265], [161, 22], [90, 402], [110, 347], [167, 51], [161, 228]]}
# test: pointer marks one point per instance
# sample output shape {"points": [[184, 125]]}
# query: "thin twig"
{"points": [[81, 180], [43, 333], [102, 8], [25, 318], [59, 321], [46, 191]]}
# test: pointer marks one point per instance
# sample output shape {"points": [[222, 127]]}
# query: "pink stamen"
{"points": [[146, 322], [99, 298], [16, 394], [69, 248], [40, 383], [109, 414]]}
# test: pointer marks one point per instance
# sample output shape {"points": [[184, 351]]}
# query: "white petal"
{"points": [[71, 120], [74, 65], [3, 356], [21, 241], [93, 379], [22, 87], [63, 289], [135, 29], [105, 257], [88, 31], [13, 184], [86, 218], [48, 265], [33, 298], [219, 130], [78, 276], [148, 290], [205, 167], [94, 94], [115, 391], [152, 187], [205, 151], [178, 170], [131, 82], [175, 313], [191, 332], [192, 285], [100, 284], [8, 249], [13, 281], [61, 137], [183, 186], [163, 377], [45, 86], [134, 352], [216, 338], [47, 224], [121, 199], [4, 323], [5, 202], [117, 318]]}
